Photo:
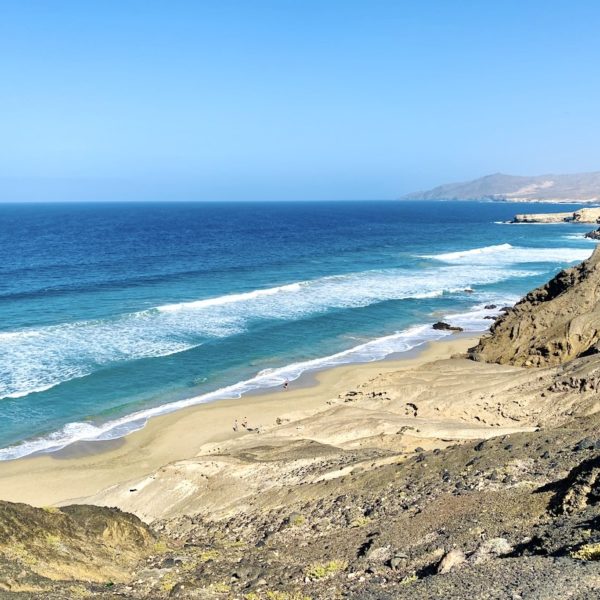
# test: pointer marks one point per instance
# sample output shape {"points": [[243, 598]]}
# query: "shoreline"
{"points": [[134, 421], [84, 469]]}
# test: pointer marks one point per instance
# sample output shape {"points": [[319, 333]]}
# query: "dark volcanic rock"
{"points": [[581, 487], [442, 326], [593, 235]]}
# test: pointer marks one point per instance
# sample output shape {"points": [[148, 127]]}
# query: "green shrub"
{"points": [[297, 520], [587, 552], [321, 570], [360, 522]]}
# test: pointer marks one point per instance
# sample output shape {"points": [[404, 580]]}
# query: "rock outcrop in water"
{"points": [[593, 235], [552, 324], [583, 215], [443, 326]]}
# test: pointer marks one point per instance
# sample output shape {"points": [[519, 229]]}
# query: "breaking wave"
{"points": [[36, 359], [401, 341]]}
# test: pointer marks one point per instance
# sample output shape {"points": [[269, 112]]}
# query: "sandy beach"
{"points": [[105, 472], [85, 468]]}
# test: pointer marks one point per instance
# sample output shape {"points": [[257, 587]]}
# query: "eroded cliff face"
{"points": [[559, 217], [551, 325], [39, 546], [583, 215]]}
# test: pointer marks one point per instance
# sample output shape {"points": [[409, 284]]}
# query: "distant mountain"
{"points": [[577, 187]]}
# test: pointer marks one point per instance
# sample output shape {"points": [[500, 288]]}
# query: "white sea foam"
{"points": [[369, 351], [231, 298], [36, 359], [580, 237], [506, 254], [33, 360]]}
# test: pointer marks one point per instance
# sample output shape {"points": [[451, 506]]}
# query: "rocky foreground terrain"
{"points": [[393, 513]]}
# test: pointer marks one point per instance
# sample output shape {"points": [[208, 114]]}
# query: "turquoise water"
{"points": [[111, 313]]}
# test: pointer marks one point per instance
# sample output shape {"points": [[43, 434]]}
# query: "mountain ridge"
{"points": [[572, 187]]}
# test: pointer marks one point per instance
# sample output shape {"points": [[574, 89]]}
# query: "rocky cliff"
{"points": [[552, 324], [46, 549]]}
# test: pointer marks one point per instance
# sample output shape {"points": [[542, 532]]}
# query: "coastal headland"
{"points": [[469, 471], [583, 215]]}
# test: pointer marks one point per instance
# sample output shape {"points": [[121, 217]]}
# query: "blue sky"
{"points": [[290, 100]]}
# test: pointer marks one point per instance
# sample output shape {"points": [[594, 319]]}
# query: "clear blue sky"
{"points": [[290, 99]]}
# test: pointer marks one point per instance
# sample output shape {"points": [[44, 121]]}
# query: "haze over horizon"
{"points": [[288, 101]]}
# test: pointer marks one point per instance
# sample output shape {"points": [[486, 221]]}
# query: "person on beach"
{"points": [[245, 423], [286, 385], [235, 425]]}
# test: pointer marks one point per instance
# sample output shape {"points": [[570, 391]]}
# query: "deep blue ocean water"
{"points": [[110, 313]]}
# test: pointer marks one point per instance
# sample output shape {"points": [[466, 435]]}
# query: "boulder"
{"points": [[451, 560], [442, 326], [491, 549], [580, 488]]}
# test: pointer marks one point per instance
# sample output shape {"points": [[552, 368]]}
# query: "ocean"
{"points": [[113, 313]]}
